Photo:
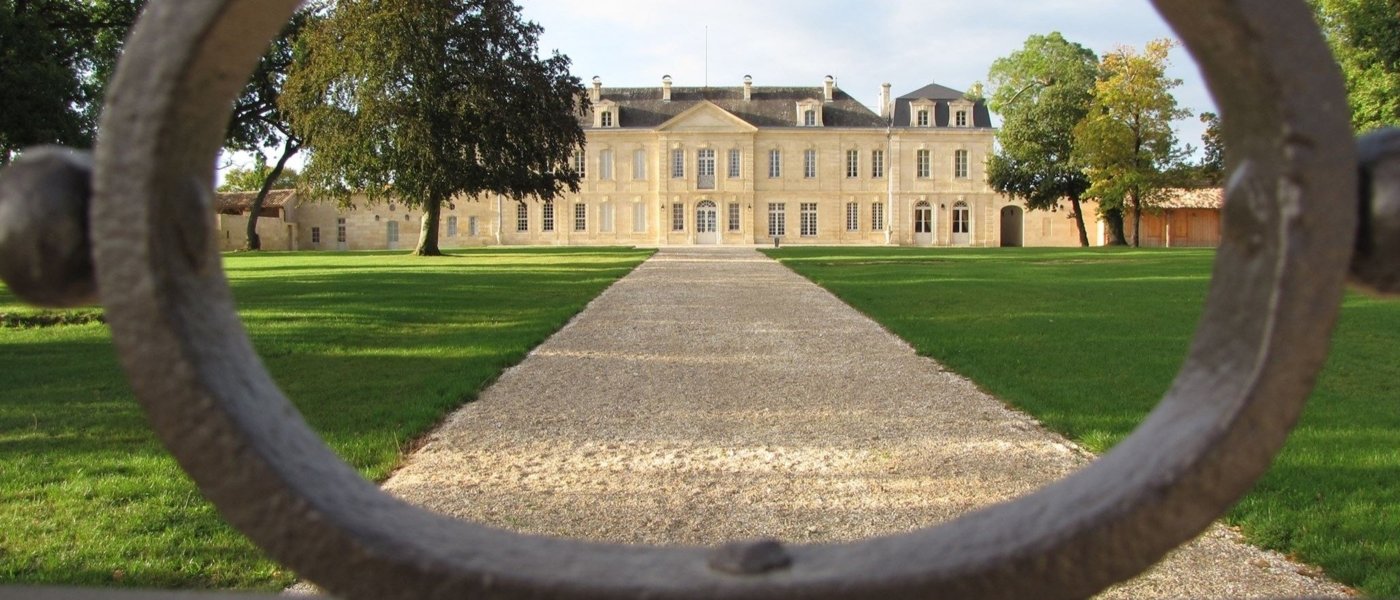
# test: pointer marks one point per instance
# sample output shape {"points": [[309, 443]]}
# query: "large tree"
{"points": [[1126, 142], [258, 121], [1365, 36], [55, 58], [1041, 92], [421, 101]]}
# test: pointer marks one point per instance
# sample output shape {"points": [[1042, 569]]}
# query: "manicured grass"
{"points": [[374, 348], [1088, 340]]}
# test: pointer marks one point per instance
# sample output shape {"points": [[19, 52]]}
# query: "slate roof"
{"points": [[941, 95], [642, 108], [237, 203]]}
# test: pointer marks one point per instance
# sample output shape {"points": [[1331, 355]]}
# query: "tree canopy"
{"points": [[1126, 142], [1365, 37], [254, 177], [1041, 92], [420, 101], [55, 59]]}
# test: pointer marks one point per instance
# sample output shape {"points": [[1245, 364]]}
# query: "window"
{"points": [[315, 235], [678, 164], [639, 218], [340, 230], [962, 118], [677, 217], [605, 218], [473, 226], [734, 216], [392, 232], [923, 218], [809, 118], [775, 163], [580, 217], [877, 163], [736, 158], [580, 164], [777, 219], [809, 219], [605, 165], [962, 218], [705, 169], [522, 216], [960, 164], [548, 220], [451, 226], [921, 120], [607, 118], [853, 163], [921, 164], [809, 164], [877, 216], [852, 216], [639, 165]]}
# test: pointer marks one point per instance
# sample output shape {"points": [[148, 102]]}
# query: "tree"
{"points": [[257, 177], [1126, 142], [1365, 37], [425, 100], [1041, 92], [258, 121], [1212, 168], [55, 58]]}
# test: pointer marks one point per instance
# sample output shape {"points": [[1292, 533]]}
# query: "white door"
{"points": [[923, 224], [962, 224], [393, 234], [706, 224]]}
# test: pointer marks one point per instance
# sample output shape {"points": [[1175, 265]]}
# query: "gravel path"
{"points": [[713, 394]]}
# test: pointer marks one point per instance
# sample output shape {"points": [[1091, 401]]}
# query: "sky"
{"points": [[907, 43]]}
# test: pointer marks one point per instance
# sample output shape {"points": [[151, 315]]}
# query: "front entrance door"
{"points": [[706, 229], [962, 224], [923, 224]]}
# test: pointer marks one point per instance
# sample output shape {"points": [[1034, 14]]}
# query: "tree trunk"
{"points": [[428, 237], [1137, 219], [252, 241], [1079, 220], [1114, 217]]}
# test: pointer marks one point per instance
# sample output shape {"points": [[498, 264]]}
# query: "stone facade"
{"points": [[731, 165]]}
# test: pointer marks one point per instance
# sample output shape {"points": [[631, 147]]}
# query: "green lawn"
{"points": [[1088, 341], [373, 347]]}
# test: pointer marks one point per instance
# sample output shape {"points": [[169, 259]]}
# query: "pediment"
{"points": [[707, 117]]}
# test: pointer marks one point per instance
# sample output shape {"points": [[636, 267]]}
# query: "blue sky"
{"points": [[907, 43]]}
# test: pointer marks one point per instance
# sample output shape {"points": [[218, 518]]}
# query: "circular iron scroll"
{"points": [[1288, 234]]}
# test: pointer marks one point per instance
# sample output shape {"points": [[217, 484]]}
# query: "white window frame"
{"points": [[580, 164], [877, 216], [522, 217], [962, 218], [607, 217], [639, 165], [775, 163], [809, 164], [809, 117], [547, 220], [923, 161], [808, 219], [852, 216], [340, 230], [777, 219], [678, 217], [852, 163], [960, 164], [391, 231], [605, 165], [473, 226], [316, 235], [639, 217], [607, 118], [736, 162], [734, 224], [580, 217], [960, 118], [877, 164], [451, 226], [921, 117], [678, 163]]}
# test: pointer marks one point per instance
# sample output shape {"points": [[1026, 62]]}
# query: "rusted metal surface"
{"points": [[1289, 231]]}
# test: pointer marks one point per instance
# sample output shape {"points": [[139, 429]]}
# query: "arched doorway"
{"points": [[1012, 226], [962, 224], [706, 229], [923, 224]]}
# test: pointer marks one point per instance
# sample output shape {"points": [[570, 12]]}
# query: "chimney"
{"points": [[748, 88], [829, 88], [885, 101], [597, 93], [665, 88]]}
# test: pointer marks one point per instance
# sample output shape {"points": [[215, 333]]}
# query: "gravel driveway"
{"points": [[713, 394]]}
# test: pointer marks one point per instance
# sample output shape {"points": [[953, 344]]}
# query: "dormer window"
{"points": [[607, 118], [605, 114], [921, 118], [961, 110], [809, 113], [961, 118]]}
